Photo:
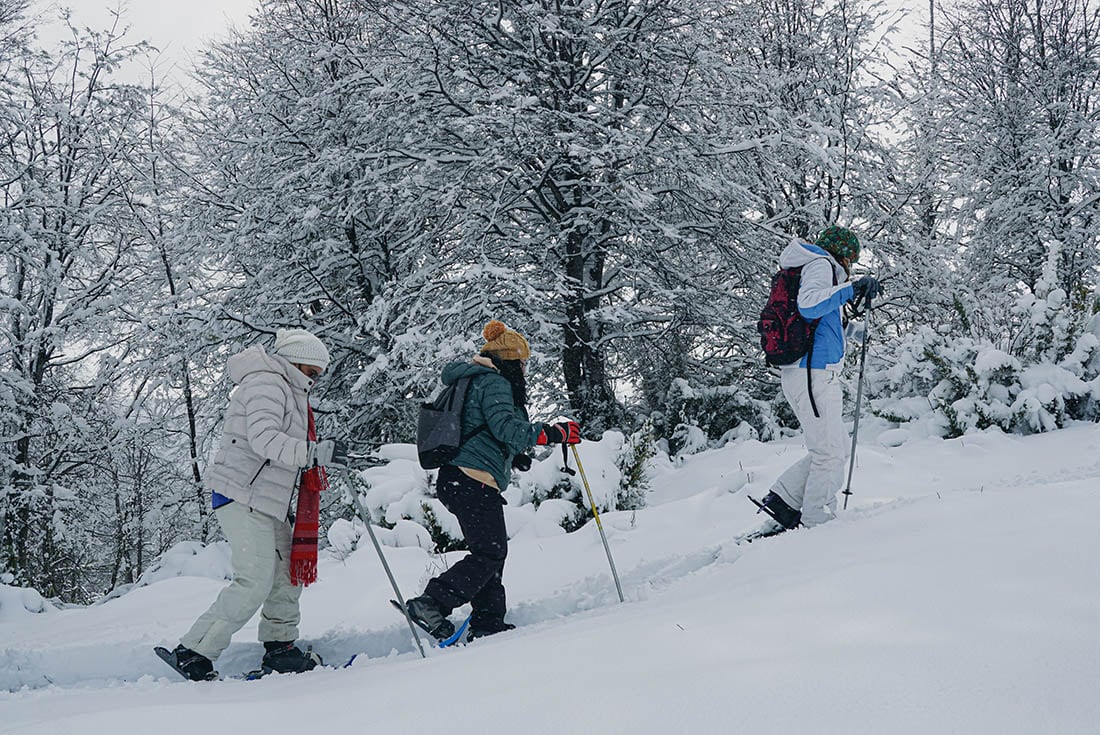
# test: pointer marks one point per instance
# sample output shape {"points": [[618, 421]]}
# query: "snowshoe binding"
{"points": [[778, 509], [482, 629], [187, 663], [426, 613], [284, 657], [781, 517]]}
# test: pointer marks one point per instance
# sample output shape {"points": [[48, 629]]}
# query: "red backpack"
{"points": [[785, 334]]}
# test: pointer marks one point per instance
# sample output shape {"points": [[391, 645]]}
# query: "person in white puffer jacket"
{"points": [[264, 446], [806, 492]]}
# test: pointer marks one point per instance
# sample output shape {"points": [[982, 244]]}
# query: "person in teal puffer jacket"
{"points": [[498, 431]]}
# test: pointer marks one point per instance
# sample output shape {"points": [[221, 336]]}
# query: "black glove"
{"points": [[521, 462], [866, 286], [330, 453]]}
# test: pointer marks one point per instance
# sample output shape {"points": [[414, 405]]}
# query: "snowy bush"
{"points": [[633, 459], [614, 466], [545, 500], [696, 418], [343, 537], [191, 559], [546, 480], [445, 537], [17, 602], [687, 439], [962, 384], [396, 493]]}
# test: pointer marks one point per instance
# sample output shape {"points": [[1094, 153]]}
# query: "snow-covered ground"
{"points": [[958, 594]]}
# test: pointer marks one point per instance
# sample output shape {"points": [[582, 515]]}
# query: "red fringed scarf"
{"points": [[303, 552]]}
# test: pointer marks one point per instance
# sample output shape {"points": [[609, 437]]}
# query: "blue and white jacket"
{"points": [[818, 298]]}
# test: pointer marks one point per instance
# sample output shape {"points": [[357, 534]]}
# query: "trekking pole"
{"points": [[599, 525], [859, 400], [365, 516]]}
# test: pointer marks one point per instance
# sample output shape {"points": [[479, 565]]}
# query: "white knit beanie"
{"points": [[300, 347]]}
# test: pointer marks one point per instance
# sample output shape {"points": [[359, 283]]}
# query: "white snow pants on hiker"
{"points": [[811, 483], [261, 577]]}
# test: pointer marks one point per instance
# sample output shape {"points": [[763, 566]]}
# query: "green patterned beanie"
{"points": [[840, 242]]}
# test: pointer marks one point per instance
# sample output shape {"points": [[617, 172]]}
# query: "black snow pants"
{"points": [[475, 578]]}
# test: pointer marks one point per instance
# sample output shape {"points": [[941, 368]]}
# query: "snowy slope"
{"points": [[958, 594]]}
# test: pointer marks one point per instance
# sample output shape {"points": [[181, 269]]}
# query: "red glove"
{"points": [[565, 432]]}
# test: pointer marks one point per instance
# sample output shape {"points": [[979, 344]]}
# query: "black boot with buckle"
{"points": [[286, 658]]}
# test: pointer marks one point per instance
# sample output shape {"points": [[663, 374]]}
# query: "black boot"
{"points": [[775, 506], [428, 614], [483, 629], [194, 666], [287, 658]]}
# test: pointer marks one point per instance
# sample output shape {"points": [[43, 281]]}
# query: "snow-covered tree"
{"points": [[1009, 119], [1021, 84], [71, 276], [323, 219], [613, 179]]}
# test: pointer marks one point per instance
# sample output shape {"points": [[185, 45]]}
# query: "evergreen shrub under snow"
{"points": [[546, 500], [1049, 374], [698, 418]]}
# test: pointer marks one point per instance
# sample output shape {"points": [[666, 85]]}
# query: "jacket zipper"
{"points": [[265, 464]]}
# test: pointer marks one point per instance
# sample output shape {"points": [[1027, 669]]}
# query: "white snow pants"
{"points": [[811, 483], [260, 547]]}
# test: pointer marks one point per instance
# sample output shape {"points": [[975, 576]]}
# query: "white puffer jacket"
{"points": [[263, 442]]}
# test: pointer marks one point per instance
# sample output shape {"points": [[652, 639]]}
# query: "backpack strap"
{"points": [[809, 375], [810, 352], [484, 427], [466, 437]]}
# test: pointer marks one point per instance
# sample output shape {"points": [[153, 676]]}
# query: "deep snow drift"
{"points": [[958, 593]]}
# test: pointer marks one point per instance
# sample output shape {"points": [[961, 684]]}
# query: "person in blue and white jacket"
{"points": [[807, 490]]}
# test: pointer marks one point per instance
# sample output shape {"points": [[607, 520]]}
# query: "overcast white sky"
{"points": [[180, 27], [177, 27]]}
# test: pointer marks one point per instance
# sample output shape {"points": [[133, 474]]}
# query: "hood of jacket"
{"points": [[457, 370], [799, 253], [255, 359]]}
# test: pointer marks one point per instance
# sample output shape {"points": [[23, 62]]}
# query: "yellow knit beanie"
{"points": [[505, 343]]}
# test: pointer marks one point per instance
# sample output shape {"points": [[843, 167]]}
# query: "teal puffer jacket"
{"points": [[489, 403]]}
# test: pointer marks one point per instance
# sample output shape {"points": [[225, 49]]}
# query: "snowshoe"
{"points": [[778, 509], [266, 670], [188, 664], [426, 613], [770, 527], [457, 635], [483, 629]]}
